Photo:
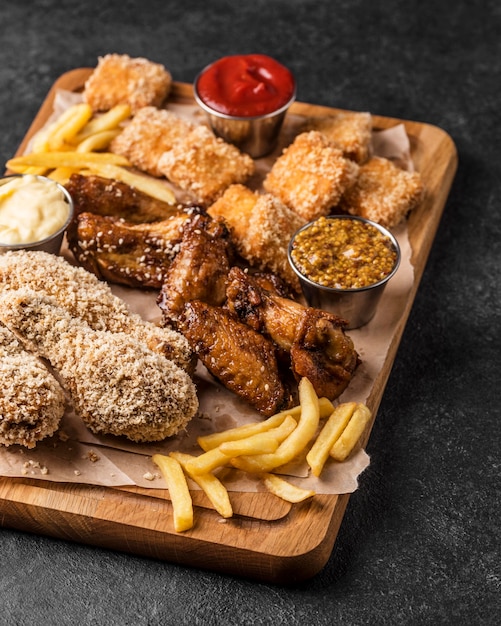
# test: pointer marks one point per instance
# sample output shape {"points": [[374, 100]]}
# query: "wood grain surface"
{"points": [[267, 539]]}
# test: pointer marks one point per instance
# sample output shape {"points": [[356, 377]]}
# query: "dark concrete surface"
{"points": [[420, 540]]}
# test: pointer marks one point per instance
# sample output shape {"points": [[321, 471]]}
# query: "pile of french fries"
{"points": [[261, 448], [78, 141]]}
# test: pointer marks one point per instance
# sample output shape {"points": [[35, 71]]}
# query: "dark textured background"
{"points": [[420, 540]]}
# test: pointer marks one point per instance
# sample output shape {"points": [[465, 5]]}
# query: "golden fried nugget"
{"points": [[261, 228], [311, 175], [151, 132], [205, 165], [120, 79], [383, 192], [350, 131]]}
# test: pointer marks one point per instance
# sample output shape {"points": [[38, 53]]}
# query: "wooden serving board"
{"points": [[267, 539]]}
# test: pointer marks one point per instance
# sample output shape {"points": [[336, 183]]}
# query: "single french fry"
{"points": [[182, 503], [210, 485], [261, 442], [330, 433], [61, 174], [97, 141], [295, 442], [286, 490], [150, 186], [351, 434], [73, 159], [69, 124], [110, 120], [207, 462], [208, 442]]}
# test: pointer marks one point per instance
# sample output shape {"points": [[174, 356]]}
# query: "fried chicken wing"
{"points": [[241, 358], [136, 255], [200, 268], [82, 295], [32, 402], [318, 346], [116, 385], [104, 196]]}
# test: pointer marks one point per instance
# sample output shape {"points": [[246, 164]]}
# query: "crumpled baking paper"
{"points": [[75, 455]]}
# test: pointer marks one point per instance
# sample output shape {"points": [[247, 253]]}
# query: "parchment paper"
{"points": [[75, 455]]}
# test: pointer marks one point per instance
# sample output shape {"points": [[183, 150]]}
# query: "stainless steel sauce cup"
{"points": [[356, 306]]}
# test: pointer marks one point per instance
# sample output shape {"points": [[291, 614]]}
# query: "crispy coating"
{"points": [[261, 227], [205, 165], [32, 402], [84, 296], [120, 79], [350, 131], [383, 192], [150, 133], [311, 175], [116, 385]]}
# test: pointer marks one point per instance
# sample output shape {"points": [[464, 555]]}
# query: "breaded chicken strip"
{"points": [[383, 193], [84, 296], [120, 79], [116, 385], [31, 400], [150, 133], [310, 176], [350, 131], [205, 165], [261, 227]]}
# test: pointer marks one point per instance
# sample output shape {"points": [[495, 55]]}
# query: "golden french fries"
{"points": [[110, 120], [351, 434], [97, 141], [330, 433], [286, 490], [261, 447], [208, 442], [182, 503], [53, 160], [295, 443], [151, 186], [210, 485]]}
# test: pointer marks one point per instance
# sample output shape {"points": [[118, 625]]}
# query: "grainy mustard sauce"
{"points": [[343, 253]]}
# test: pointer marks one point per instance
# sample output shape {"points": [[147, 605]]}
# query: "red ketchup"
{"points": [[246, 85]]}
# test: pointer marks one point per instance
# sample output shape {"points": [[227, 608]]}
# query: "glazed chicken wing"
{"points": [[199, 270], [241, 358], [104, 196], [318, 346], [136, 255]]}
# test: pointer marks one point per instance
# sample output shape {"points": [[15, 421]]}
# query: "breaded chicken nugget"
{"points": [[31, 400], [150, 133], [383, 192], [116, 385], [350, 131], [120, 79], [205, 165], [81, 294], [261, 228], [311, 175]]}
